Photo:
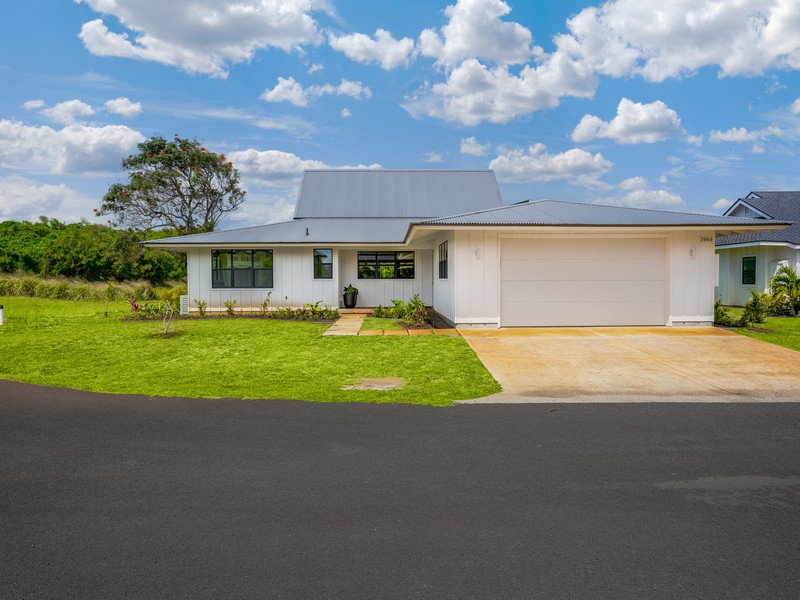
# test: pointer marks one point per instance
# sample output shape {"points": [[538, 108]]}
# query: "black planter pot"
{"points": [[350, 300]]}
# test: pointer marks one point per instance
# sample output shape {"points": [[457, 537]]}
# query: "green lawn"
{"points": [[783, 331], [71, 344], [379, 323]]}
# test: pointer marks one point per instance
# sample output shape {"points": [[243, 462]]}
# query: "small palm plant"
{"points": [[786, 284]]}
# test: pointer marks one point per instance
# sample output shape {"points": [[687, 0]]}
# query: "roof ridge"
{"points": [[485, 210]]}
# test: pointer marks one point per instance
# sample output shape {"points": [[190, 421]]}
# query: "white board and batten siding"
{"points": [[692, 274], [292, 277], [374, 292], [474, 265]]}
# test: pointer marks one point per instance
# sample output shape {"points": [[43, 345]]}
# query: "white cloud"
{"points": [[289, 90], [204, 36], [640, 196], [382, 48], [471, 146], [277, 167], [741, 134], [263, 208], [433, 157], [474, 92], [756, 149], [795, 107], [315, 68], [23, 199], [695, 140], [76, 148], [632, 183], [346, 113], [33, 104], [621, 38], [286, 90], [723, 204], [66, 112], [660, 40], [634, 123], [475, 30], [477, 48], [518, 166], [123, 107]]}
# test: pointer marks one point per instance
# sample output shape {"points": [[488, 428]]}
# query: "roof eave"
{"points": [[726, 227]]}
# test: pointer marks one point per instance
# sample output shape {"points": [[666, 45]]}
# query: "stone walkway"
{"points": [[350, 324]]}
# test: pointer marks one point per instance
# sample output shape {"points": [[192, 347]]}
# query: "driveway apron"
{"points": [[618, 364]]}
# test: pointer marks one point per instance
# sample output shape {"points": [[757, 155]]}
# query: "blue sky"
{"points": [[680, 105]]}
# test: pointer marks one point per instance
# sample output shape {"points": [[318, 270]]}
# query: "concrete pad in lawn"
{"points": [[634, 364]]}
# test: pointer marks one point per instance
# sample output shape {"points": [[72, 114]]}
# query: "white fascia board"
{"points": [[751, 244], [597, 229]]}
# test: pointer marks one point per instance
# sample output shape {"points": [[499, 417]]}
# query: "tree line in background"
{"points": [[174, 187], [86, 251]]}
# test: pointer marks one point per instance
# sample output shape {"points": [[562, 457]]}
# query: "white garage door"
{"points": [[553, 282]]}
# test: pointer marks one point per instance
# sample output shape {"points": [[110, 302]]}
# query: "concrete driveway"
{"points": [[634, 364]]}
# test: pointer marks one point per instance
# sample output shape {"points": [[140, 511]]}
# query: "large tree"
{"points": [[176, 184]]}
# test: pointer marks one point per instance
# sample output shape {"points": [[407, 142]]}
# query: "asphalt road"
{"points": [[134, 497]]}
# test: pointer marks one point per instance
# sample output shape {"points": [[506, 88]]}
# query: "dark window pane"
{"points": [[263, 278], [221, 278], [262, 259], [366, 270], [366, 256], [323, 256], [405, 271], [749, 270], [405, 256], [220, 260], [386, 270], [323, 263], [323, 271], [242, 278], [242, 260]]}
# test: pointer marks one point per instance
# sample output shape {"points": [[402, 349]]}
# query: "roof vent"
{"points": [[306, 230]]}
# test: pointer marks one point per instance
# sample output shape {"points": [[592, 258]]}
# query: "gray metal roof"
{"points": [[388, 193], [301, 231], [550, 212], [783, 206]]}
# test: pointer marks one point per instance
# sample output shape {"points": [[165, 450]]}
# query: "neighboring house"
{"points": [[749, 260], [446, 236]]}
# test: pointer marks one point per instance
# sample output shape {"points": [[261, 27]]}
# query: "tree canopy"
{"points": [[176, 184], [85, 250]]}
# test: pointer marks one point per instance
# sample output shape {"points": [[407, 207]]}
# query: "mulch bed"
{"points": [[224, 316]]}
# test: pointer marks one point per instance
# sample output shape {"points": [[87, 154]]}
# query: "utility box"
{"points": [[184, 305]]}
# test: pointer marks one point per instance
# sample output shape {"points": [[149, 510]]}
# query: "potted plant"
{"points": [[350, 296]]}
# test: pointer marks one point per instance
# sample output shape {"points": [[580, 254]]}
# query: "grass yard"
{"points": [[380, 323], [783, 331], [71, 344]]}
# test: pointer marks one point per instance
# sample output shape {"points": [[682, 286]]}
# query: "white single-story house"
{"points": [[446, 236], [749, 260]]}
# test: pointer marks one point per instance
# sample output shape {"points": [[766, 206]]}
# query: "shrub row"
{"points": [[309, 312], [62, 288]]}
